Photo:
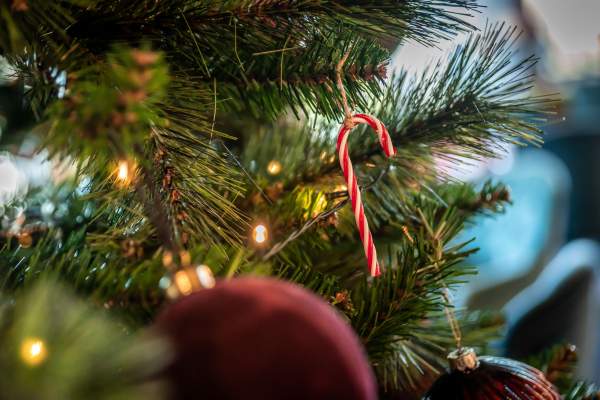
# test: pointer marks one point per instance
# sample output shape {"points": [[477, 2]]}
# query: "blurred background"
{"points": [[540, 260]]}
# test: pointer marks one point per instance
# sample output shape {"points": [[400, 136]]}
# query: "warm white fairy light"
{"points": [[33, 351], [183, 282], [260, 234], [123, 170], [205, 277], [124, 173], [274, 167]]}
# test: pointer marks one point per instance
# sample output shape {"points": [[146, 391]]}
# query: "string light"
{"points": [[172, 292], [189, 280], [33, 351], [274, 167], [124, 173], [260, 234], [183, 282], [167, 259], [205, 276]]}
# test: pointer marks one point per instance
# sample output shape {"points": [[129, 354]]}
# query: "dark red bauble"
{"points": [[253, 338], [493, 378]]}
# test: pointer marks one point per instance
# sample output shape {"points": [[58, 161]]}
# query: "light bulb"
{"points": [[183, 282], [33, 351], [205, 277], [260, 233], [124, 173], [274, 167], [190, 280]]}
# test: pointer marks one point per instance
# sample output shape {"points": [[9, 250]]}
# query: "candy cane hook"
{"points": [[353, 190]]}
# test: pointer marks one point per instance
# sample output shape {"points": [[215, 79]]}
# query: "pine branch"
{"points": [[110, 108], [263, 21], [269, 84], [327, 286], [200, 186], [421, 358], [24, 22], [388, 312], [467, 109], [388, 307], [492, 198], [421, 20], [582, 391], [110, 363], [473, 105], [558, 364], [117, 124], [205, 43], [562, 364], [393, 304]]}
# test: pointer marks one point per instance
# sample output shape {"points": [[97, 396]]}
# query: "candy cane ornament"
{"points": [[352, 184]]}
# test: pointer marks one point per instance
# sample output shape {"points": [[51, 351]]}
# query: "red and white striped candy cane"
{"points": [[353, 191]]}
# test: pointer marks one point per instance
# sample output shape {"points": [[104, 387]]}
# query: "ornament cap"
{"points": [[463, 359]]}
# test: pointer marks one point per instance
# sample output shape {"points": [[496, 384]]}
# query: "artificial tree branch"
{"points": [[154, 210], [149, 197], [321, 216], [298, 232]]}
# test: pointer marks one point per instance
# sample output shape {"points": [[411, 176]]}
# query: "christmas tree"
{"points": [[200, 143]]}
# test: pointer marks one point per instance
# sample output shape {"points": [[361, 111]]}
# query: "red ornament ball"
{"points": [[253, 338], [490, 378]]}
